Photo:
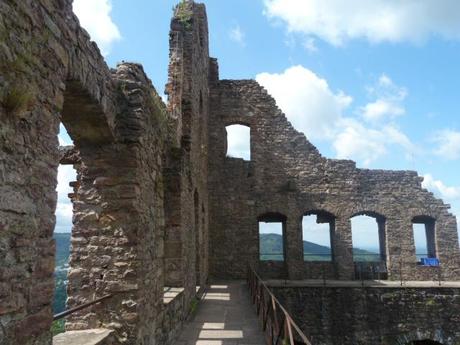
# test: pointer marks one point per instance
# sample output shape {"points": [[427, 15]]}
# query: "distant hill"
{"points": [[62, 248], [271, 246], [60, 273]]}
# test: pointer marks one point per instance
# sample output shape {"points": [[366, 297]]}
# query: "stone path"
{"points": [[225, 316]]}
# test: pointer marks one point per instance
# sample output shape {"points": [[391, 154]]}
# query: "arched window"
{"points": [[424, 236], [272, 244], [368, 235], [239, 141], [317, 233]]}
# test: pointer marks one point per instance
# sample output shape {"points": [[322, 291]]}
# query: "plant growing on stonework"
{"points": [[193, 305], [15, 100], [57, 327], [184, 14]]}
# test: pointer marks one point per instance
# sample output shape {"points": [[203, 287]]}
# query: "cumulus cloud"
{"points": [[440, 189], [66, 174], [389, 100], [94, 16], [237, 35], [337, 21], [364, 144], [448, 144], [319, 112], [310, 104], [238, 139]]}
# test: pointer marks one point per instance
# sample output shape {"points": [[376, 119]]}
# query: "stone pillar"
{"points": [[430, 239], [294, 248], [343, 249], [382, 238], [400, 247]]}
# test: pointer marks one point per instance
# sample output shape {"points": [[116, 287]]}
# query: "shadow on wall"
{"points": [[424, 342]]}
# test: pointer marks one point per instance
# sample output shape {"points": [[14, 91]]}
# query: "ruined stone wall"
{"points": [[186, 253], [51, 72], [43, 52], [386, 316], [117, 238], [288, 176]]}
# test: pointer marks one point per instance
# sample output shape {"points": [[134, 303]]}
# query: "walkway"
{"points": [[366, 283], [225, 316]]}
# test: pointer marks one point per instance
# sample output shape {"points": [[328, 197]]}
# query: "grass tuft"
{"points": [[15, 100]]}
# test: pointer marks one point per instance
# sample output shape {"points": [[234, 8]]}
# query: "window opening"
{"points": [[317, 234], [271, 238], [238, 142]]}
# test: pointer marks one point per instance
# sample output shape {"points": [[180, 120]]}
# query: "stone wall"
{"points": [[44, 57], [124, 141], [287, 176], [186, 244], [386, 316]]}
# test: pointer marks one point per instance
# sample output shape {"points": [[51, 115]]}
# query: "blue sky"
{"points": [[376, 82]]}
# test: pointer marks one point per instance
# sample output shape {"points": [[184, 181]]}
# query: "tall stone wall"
{"points": [[117, 238], [43, 55], [124, 139], [287, 176], [387, 316], [186, 244]]}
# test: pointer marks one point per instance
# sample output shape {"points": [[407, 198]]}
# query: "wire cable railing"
{"points": [[278, 325]]}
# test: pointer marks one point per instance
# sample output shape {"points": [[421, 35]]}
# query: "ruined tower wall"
{"points": [[43, 52], [287, 176], [117, 238], [51, 72], [186, 243]]}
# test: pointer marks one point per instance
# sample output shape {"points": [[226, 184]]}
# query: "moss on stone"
{"points": [[16, 100]]}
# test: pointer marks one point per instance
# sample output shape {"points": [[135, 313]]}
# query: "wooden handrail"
{"points": [[80, 307], [271, 310]]}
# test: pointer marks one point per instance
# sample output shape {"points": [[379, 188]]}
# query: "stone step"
{"points": [[98, 336]]}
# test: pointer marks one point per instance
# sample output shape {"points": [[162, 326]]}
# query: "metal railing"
{"points": [[80, 307], [278, 325]]}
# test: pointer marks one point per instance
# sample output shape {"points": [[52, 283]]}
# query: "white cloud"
{"points": [[310, 45], [310, 104], [337, 21], [388, 103], [314, 109], [366, 145], [380, 108], [448, 142], [66, 174], [360, 143], [94, 16], [440, 189], [238, 139], [64, 212], [237, 35]]}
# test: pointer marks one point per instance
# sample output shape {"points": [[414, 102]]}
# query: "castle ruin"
{"points": [[158, 204]]}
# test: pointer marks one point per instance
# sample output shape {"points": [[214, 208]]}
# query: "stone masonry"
{"points": [[157, 204], [378, 315]]}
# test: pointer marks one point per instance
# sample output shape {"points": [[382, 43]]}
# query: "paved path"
{"points": [[225, 316]]}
